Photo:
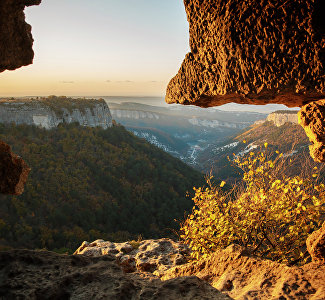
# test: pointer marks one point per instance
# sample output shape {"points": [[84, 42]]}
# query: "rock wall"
{"points": [[15, 34], [280, 118], [252, 51], [312, 119], [49, 113]]}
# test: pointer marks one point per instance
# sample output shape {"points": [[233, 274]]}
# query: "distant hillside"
{"points": [[88, 183], [51, 111], [289, 139]]}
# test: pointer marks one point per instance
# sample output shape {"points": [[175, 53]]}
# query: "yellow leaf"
{"points": [[265, 145], [222, 183]]}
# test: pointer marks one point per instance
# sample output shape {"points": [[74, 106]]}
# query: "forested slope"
{"points": [[89, 183]]}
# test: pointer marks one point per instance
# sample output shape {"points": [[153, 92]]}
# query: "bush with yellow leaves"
{"points": [[271, 215]]}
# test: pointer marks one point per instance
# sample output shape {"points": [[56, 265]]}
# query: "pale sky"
{"points": [[101, 48]]}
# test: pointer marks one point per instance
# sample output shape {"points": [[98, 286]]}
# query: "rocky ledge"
{"points": [[158, 269], [28, 274]]}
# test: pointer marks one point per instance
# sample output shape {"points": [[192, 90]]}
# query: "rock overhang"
{"points": [[252, 52], [16, 40]]}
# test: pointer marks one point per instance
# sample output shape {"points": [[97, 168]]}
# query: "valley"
{"points": [[182, 131]]}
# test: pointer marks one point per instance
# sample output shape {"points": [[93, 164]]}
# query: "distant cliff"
{"points": [[281, 117], [50, 112], [194, 120]]}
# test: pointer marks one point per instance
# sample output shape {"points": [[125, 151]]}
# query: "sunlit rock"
{"points": [[241, 276], [254, 52], [153, 256], [312, 119], [316, 245]]}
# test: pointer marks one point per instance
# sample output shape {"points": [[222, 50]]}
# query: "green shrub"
{"points": [[271, 214]]}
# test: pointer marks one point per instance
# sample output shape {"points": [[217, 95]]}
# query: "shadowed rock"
{"points": [[254, 52], [45, 275], [15, 34], [312, 119], [13, 171]]}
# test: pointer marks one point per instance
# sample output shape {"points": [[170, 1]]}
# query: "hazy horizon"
{"points": [[102, 47], [159, 101]]}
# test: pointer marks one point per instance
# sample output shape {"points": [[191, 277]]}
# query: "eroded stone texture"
{"points": [[153, 256], [46, 275], [312, 119], [252, 51], [15, 39], [233, 272], [316, 245], [13, 171]]}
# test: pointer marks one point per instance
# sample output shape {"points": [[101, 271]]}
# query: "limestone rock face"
{"points": [[15, 39], [153, 256], [312, 119], [316, 245], [13, 171], [252, 51], [242, 277], [49, 113], [280, 118]]}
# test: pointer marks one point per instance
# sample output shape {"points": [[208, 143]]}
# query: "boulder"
{"points": [[15, 39], [316, 245], [252, 51], [152, 256], [13, 171], [312, 119]]}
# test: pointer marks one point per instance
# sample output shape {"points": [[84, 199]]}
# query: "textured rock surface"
{"points": [[243, 277], [45, 275], [13, 171], [312, 119], [280, 118], [15, 39], [49, 113], [253, 52], [153, 256], [316, 245]]}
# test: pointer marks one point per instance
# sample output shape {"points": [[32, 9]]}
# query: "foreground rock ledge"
{"points": [[253, 52], [13, 171], [242, 277], [15, 34], [46, 275]]}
